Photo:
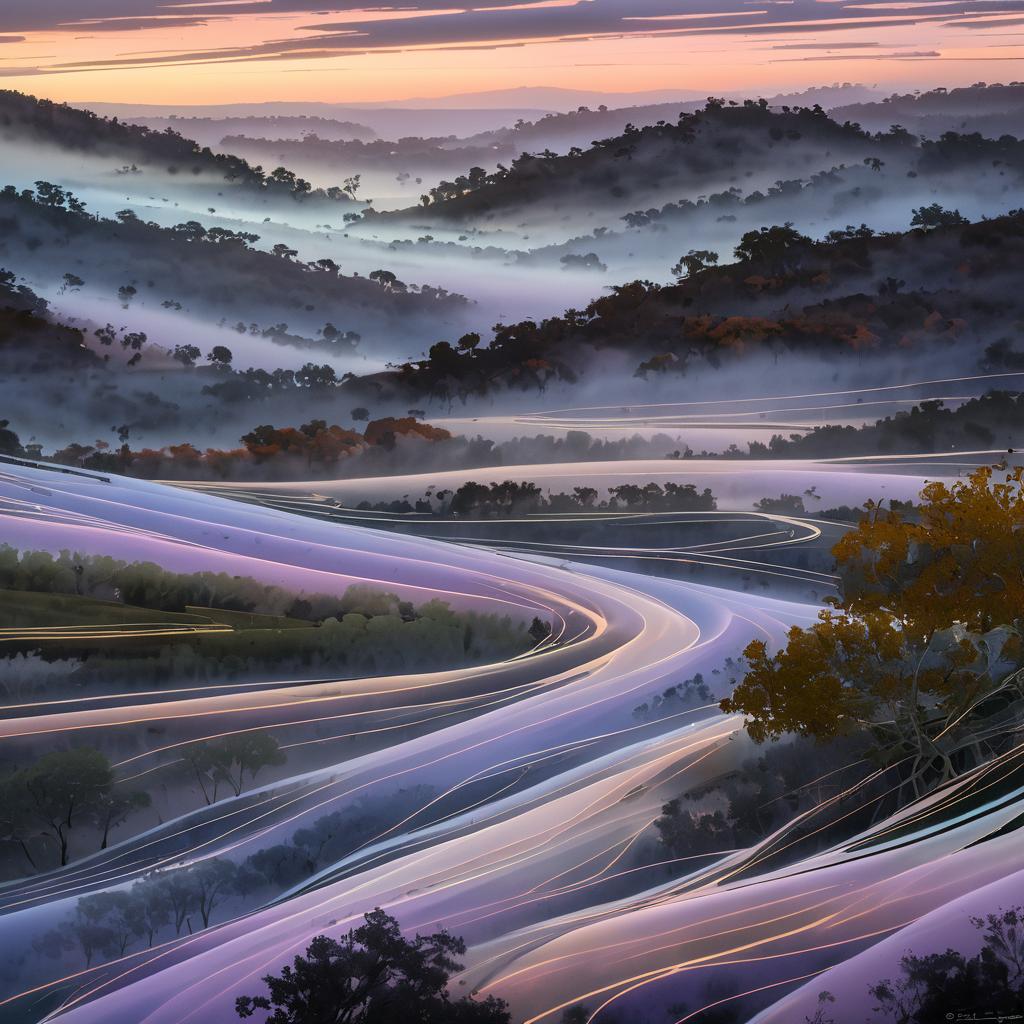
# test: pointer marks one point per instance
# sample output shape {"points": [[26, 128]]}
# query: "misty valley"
{"points": [[534, 563]]}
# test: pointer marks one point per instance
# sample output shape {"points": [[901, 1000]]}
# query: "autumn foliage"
{"points": [[924, 638], [313, 447]]}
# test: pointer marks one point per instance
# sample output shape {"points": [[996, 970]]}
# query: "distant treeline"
{"points": [[314, 450], [951, 152], [268, 452], [667, 151], [422, 154], [148, 585], [522, 498], [992, 421], [364, 631], [403, 444]]}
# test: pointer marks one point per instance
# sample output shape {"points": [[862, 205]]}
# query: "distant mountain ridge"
{"points": [[468, 114]]}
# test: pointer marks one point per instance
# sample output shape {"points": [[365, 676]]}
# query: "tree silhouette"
{"points": [[372, 975], [933, 985], [936, 216]]}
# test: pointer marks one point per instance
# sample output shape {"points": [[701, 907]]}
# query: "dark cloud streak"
{"points": [[487, 24]]}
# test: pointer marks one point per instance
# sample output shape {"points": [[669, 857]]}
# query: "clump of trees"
{"points": [[690, 693], [332, 837], [372, 975], [930, 986], [665, 152], [229, 760], [185, 899], [911, 677], [792, 784], [148, 585], [217, 271], [783, 505], [108, 924], [523, 497]]}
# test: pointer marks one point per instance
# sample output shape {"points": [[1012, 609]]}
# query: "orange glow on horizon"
{"points": [[228, 58]]}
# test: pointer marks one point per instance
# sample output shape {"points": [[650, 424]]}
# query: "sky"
{"points": [[226, 51]]}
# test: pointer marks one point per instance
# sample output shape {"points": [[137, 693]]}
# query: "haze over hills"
{"points": [[587, 519], [991, 111], [466, 113]]}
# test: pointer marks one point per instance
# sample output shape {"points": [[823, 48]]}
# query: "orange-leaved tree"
{"points": [[925, 634]]}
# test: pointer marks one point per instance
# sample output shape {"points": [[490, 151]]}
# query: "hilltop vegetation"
{"points": [[25, 119], [403, 159], [30, 340], [216, 271], [944, 285], [992, 110], [706, 150]]}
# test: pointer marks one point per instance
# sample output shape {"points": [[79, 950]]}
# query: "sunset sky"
{"points": [[219, 51]]}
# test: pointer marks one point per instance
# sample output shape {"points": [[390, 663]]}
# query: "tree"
{"points": [[927, 629], [372, 975], [687, 833], [113, 809], [212, 881], [936, 216], [248, 753], [176, 890], [207, 763], [360, 414], [151, 908], [779, 248], [62, 790], [17, 824], [91, 933], [187, 354], [310, 375], [230, 760], [282, 176], [134, 340], [785, 505], [539, 630], [385, 279], [694, 262], [10, 443], [220, 356]]}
